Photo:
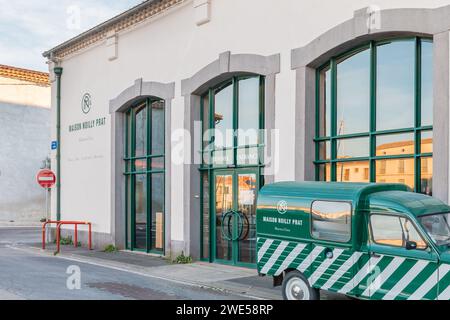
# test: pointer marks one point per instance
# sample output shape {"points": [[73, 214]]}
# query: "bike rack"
{"points": [[58, 232]]}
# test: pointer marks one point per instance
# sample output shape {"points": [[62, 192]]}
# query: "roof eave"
{"points": [[48, 54]]}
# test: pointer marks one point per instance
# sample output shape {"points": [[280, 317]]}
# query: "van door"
{"points": [[398, 272], [330, 264]]}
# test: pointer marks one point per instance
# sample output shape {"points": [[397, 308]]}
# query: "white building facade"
{"points": [[153, 102]]}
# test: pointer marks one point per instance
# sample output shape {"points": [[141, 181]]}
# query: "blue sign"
{"points": [[54, 145]]}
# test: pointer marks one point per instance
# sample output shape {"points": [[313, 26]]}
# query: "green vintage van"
{"points": [[367, 241]]}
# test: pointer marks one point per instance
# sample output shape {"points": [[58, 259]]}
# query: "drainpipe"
{"points": [[58, 72]]}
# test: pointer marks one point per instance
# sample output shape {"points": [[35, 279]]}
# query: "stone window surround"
{"points": [[118, 107], [225, 67], [352, 33]]}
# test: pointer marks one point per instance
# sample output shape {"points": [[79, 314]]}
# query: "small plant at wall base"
{"points": [[110, 249], [182, 259], [67, 241]]}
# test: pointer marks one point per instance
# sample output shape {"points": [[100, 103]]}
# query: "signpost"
{"points": [[46, 179]]}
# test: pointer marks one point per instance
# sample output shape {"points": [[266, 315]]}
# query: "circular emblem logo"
{"points": [[86, 103], [282, 207]]}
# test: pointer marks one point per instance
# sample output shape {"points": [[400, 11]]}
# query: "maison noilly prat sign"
{"points": [[86, 107]]}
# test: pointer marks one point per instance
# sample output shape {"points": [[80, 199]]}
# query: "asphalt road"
{"points": [[25, 275]]}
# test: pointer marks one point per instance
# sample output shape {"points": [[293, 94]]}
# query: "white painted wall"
{"points": [[172, 48], [24, 93]]}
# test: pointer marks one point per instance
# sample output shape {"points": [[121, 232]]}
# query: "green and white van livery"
{"points": [[368, 241]]}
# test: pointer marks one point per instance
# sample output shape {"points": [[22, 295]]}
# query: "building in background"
{"points": [[25, 118], [356, 93]]}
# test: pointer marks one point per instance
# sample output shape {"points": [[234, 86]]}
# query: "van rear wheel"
{"points": [[296, 287]]}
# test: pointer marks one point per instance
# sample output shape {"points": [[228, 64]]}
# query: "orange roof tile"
{"points": [[37, 77]]}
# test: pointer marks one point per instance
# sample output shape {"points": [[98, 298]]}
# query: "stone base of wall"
{"points": [[99, 240]]}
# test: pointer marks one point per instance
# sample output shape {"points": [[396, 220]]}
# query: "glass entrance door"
{"points": [[234, 215]]}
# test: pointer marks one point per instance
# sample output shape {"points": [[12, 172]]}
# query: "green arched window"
{"points": [[144, 171], [375, 115]]}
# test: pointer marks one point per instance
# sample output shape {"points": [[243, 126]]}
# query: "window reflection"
{"points": [[331, 220], [426, 145], [353, 94], [325, 102], [427, 83], [141, 132], [395, 231], [353, 148], [396, 144], [224, 117], [248, 111], [357, 171], [396, 171], [158, 126], [426, 181], [395, 85], [325, 150]]}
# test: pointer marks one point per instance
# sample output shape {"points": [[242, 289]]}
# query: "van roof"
{"points": [[391, 197], [328, 190], [414, 203]]}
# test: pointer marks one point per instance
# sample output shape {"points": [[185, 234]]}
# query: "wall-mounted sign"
{"points": [[54, 145], [86, 103]]}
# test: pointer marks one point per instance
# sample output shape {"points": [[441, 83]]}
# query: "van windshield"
{"points": [[438, 228]]}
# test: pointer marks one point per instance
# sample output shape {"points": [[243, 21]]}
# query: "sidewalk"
{"points": [[234, 280]]}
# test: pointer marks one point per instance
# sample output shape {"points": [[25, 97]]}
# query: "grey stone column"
{"points": [[441, 58]]}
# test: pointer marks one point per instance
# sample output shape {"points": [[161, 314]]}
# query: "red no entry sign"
{"points": [[46, 179]]}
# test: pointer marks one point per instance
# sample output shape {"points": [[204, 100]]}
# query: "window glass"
{"points": [[353, 94], [141, 132], [325, 102], [426, 144], [353, 171], [224, 117], [395, 85], [331, 220], [158, 126], [395, 231], [353, 148], [324, 172], [248, 112], [396, 171], [426, 170], [395, 144], [438, 227], [325, 150], [157, 211], [427, 83]]}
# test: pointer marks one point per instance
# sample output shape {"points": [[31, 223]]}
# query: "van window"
{"points": [[395, 231], [331, 220]]}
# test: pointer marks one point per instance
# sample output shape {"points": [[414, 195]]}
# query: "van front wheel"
{"points": [[296, 287]]}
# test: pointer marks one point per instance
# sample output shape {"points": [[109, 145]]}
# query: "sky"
{"points": [[30, 27]]}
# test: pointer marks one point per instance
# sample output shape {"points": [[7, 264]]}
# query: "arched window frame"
{"points": [[329, 142], [131, 172]]}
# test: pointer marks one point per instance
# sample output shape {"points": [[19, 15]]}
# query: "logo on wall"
{"points": [[86, 103]]}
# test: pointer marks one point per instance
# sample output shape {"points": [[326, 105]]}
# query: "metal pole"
{"points": [[58, 72]]}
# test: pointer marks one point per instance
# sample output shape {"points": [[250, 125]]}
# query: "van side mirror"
{"points": [[411, 245]]}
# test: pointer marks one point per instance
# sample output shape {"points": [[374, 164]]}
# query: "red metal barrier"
{"points": [[58, 232]]}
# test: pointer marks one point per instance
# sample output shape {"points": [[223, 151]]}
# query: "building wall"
{"points": [[24, 145], [172, 48]]}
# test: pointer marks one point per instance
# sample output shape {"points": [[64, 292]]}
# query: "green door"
{"points": [[234, 216]]}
